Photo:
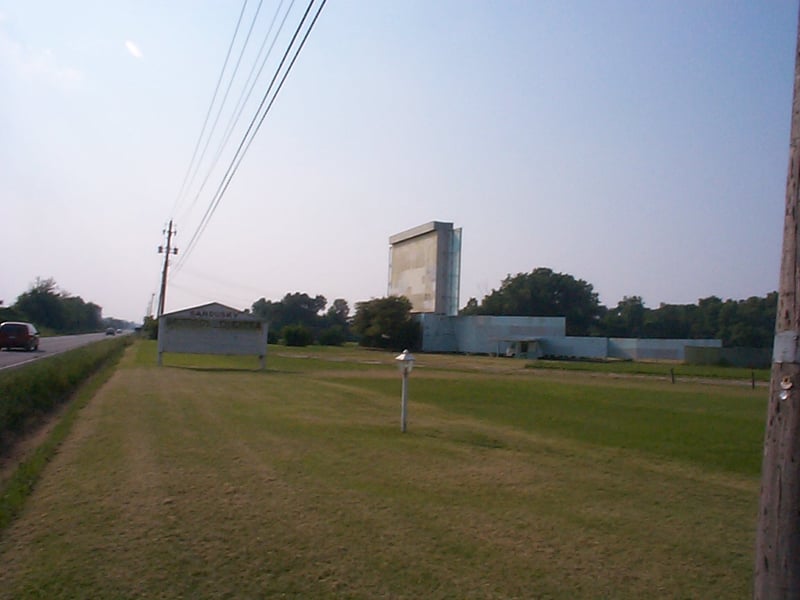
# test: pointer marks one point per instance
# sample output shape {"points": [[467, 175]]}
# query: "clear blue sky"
{"points": [[640, 146]]}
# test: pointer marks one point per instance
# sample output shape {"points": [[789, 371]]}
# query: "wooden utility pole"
{"points": [[167, 251], [777, 561]]}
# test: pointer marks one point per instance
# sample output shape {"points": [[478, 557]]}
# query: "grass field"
{"points": [[665, 370], [209, 479]]}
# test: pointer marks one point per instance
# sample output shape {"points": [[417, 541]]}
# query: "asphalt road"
{"points": [[48, 346]]}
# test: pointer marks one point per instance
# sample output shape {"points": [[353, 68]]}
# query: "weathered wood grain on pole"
{"points": [[777, 560]]}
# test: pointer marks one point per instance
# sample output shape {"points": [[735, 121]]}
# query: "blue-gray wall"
{"points": [[636, 349], [484, 334], [575, 347], [544, 336]]}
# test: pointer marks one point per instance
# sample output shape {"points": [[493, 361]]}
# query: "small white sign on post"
{"points": [[212, 329]]}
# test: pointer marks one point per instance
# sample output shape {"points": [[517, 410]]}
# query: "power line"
{"points": [[255, 125], [225, 98], [210, 108], [245, 94], [214, 295], [205, 278]]}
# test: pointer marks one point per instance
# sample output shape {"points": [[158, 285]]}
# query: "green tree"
{"points": [[626, 320], [47, 306], [297, 335], [300, 308], [338, 313], [754, 324], [333, 336], [294, 309], [10, 314], [470, 308], [264, 309], [81, 316], [150, 328], [386, 323], [707, 321], [544, 293], [43, 305], [669, 321], [336, 330]]}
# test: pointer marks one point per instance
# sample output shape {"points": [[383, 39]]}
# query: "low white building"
{"points": [[212, 329]]}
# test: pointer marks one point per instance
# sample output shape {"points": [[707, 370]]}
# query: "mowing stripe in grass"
{"points": [[717, 427], [179, 482]]}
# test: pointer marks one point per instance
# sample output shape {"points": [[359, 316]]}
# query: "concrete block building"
{"points": [[425, 267]]}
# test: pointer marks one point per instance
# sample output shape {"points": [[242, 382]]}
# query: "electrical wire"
{"points": [[253, 128], [245, 94], [224, 99], [246, 141], [205, 278], [212, 296], [210, 108]]}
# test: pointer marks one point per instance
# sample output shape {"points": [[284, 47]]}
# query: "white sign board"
{"points": [[212, 329]]}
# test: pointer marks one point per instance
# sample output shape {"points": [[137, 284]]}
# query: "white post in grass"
{"points": [[405, 363]]}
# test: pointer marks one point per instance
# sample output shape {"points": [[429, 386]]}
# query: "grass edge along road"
{"points": [[38, 405], [201, 480]]}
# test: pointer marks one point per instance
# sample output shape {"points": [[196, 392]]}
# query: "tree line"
{"points": [[50, 308], [300, 319], [743, 323], [57, 311]]}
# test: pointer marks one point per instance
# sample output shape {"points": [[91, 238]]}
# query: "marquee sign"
{"points": [[212, 329]]}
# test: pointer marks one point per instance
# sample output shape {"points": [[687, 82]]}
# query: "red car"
{"points": [[15, 334]]}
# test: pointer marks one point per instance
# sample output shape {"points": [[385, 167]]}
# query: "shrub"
{"points": [[297, 335], [332, 336], [150, 328]]}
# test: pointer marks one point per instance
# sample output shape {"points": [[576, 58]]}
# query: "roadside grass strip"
{"points": [[209, 479], [33, 390], [15, 490]]}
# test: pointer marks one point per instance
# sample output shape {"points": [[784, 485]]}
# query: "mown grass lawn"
{"points": [[662, 369], [206, 479]]}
